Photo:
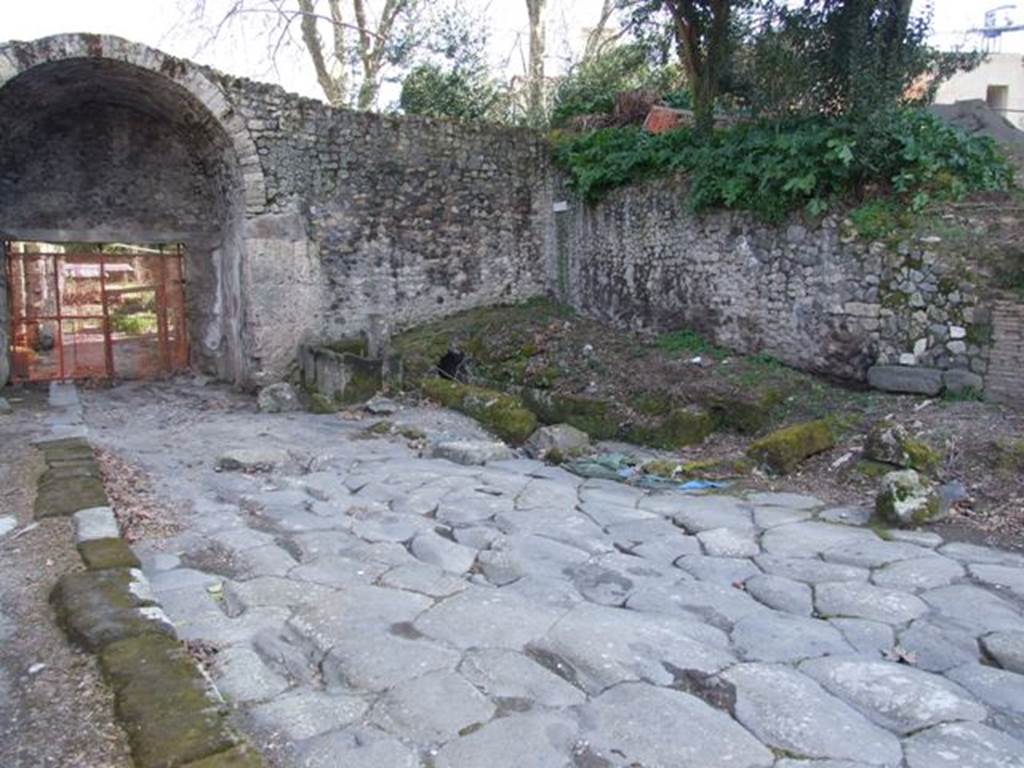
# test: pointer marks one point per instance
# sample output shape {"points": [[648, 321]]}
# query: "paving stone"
{"points": [[302, 715], [478, 537], [997, 688], [770, 517], [919, 573], [1006, 649], [1004, 578], [502, 674], [895, 696], [973, 609], [810, 571], [376, 659], [483, 617], [868, 638], [709, 512], [373, 525], [411, 708], [920, 538], [939, 647], [655, 529], [863, 601], [727, 542], [354, 750], [958, 745], [242, 676], [355, 608], [222, 631], [272, 591], [709, 739], [668, 550], [973, 553], [241, 538], [611, 512], [251, 459], [874, 553], [725, 571], [7, 524], [819, 764], [439, 551], [714, 604], [846, 515], [812, 538], [266, 560], [536, 739], [471, 507], [548, 495], [781, 593], [95, 523], [424, 578], [789, 500], [535, 555], [339, 571], [779, 637], [788, 711], [595, 646], [611, 579]]}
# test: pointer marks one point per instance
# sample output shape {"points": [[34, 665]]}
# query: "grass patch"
{"points": [[690, 343]]}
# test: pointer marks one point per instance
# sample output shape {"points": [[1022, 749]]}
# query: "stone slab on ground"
{"points": [[914, 380], [95, 523]]}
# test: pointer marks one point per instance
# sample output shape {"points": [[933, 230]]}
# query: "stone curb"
{"points": [[171, 711]]}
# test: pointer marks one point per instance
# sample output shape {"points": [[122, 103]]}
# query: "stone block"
{"points": [[958, 382], [102, 554], [904, 379], [95, 523]]}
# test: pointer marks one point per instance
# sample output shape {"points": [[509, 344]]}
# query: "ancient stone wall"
{"points": [[807, 294]]}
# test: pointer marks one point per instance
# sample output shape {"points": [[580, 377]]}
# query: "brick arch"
{"points": [[18, 58]]}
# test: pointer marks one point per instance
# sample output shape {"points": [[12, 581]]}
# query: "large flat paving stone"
{"points": [[959, 745], [874, 553], [974, 609], [725, 571], [809, 570], [303, 714], [728, 542], [789, 711], [596, 646], [895, 696], [378, 659], [810, 539], [863, 601], [720, 606], [433, 708], [1004, 578], [639, 724], [918, 573], [781, 637], [535, 739], [514, 676], [997, 688], [938, 646], [355, 609], [1006, 649], [781, 594], [356, 748], [482, 617]]}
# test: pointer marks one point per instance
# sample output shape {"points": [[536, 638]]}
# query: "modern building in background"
{"points": [[999, 81]]}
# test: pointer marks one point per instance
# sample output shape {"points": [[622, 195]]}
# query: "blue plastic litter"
{"points": [[700, 485]]}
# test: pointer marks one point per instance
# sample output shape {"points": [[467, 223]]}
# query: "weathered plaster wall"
{"points": [[805, 294]]}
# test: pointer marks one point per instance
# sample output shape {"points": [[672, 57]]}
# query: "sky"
{"points": [[161, 24]]}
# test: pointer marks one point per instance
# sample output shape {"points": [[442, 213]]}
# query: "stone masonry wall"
{"points": [[808, 295], [404, 217]]}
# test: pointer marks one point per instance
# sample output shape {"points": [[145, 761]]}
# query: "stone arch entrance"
{"points": [[105, 140]]}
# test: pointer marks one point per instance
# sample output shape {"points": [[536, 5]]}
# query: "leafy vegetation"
{"points": [[775, 168], [690, 343]]}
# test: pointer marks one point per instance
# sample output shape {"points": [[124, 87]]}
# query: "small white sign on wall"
{"points": [[560, 206]]}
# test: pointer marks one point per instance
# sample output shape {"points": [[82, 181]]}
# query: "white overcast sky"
{"points": [[158, 23]]}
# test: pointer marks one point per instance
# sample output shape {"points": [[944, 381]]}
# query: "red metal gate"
{"points": [[117, 313]]}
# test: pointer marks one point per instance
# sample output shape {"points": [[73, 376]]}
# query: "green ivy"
{"points": [[811, 163]]}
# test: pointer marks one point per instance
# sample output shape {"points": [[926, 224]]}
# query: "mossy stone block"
{"points": [[59, 497], [501, 413], [744, 415], [101, 554], [97, 608], [595, 417], [682, 427], [781, 451], [166, 706]]}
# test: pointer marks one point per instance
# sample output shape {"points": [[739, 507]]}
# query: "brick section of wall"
{"points": [[1005, 379]]}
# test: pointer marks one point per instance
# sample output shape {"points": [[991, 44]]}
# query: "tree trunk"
{"points": [[535, 75]]}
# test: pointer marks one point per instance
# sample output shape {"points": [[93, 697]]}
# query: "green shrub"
{"points": [[133, 325], [772, 169]]}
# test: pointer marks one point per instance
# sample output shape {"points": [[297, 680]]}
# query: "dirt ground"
{"points": [[545, 346], [54, 708]]}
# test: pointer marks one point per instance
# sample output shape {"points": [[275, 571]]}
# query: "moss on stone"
{"points": [[682, 427], [321, 404], [364, 380], [782, 450], [503, 414], [101, 554], [744, 415], [652, 403], [872, 469], [380, 428], [57, 497], [667, 468], [595, 417], [922, 457], [97, 608], [351, 346], [165, 704]]}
